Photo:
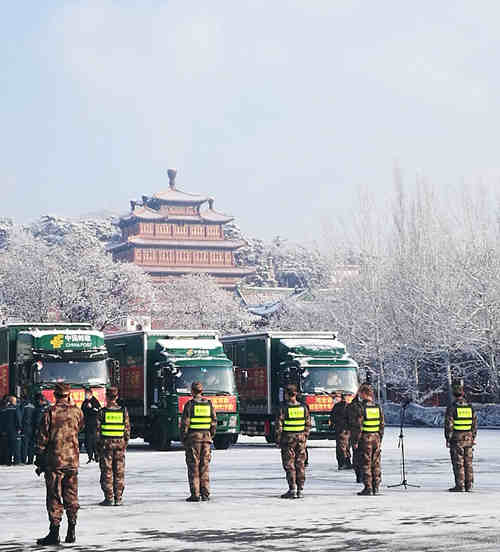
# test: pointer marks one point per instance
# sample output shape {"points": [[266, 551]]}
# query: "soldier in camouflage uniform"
{"points": [[58, 456], [198, 425], [367, 432], [293, 424], [113, 434], [339, 423], [460, 430], [354, 411]]}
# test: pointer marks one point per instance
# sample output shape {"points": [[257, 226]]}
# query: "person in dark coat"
{"points": [[28, 420], [340, 425], [90, 408], [13, 428], [4, 444]]}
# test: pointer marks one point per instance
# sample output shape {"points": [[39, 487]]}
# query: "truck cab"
{"points": [[157, 369]]}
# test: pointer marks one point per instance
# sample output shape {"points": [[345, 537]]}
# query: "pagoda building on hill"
{"points": [[169, 234]]}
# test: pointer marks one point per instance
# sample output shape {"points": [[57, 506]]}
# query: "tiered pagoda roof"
{"points": [[173, 221]]}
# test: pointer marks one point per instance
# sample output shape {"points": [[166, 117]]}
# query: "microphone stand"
{"points": [[401, 444]]}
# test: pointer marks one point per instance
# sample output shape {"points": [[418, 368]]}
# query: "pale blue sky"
{"points": [[279, 109]]}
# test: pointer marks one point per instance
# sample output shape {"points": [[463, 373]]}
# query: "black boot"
{"points": [[365, 492], [106, 502], [456, 489], [300, 493], [70, 535], [193, 498], [289, 494], [51, 538]]}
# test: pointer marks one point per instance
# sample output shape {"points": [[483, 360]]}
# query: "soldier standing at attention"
{"points": [[57, 455], [339, 423], [354, 411], [293, 424], [367, 433], [113, 434], [198, 425], [460, 430]]}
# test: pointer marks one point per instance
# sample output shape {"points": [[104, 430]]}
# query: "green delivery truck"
{"points": [[156, 370], [35, 356], [266, 362]]}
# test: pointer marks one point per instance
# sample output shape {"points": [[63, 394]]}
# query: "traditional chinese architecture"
{"points": [[171, 234]]}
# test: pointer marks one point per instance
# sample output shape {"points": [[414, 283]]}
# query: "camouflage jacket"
{"points": [[281, 416], [113, 405], [198, 434], [357, 417], [449, 434], [57, 436]]}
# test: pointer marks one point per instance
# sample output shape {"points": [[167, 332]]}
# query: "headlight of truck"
{"points": [[233, 421]]}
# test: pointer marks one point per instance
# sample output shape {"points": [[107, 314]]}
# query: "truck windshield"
{"points": [[78, 371], [215, 379], [330, 379]]}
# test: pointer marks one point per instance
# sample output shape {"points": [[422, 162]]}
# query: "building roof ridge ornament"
{"points": [[172, 173]]}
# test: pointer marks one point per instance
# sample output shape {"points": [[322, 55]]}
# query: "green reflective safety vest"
{"points": [[114, 423], [295, 419], [371, 421], [201, 417], [462, 421]]}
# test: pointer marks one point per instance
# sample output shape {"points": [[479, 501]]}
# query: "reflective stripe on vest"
{"points": [[113, 425], [201, 418], [295, 419], [371, 422], [462, 420]]}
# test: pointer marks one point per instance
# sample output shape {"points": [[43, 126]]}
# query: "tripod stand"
{"points": [[401, 444]]}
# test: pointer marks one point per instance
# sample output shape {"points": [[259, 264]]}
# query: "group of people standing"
{"points": [[19, 421], [57, 449], [359, 426]]}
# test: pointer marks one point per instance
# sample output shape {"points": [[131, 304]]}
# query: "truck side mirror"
{"points": [[114, 371], [244, 376]]}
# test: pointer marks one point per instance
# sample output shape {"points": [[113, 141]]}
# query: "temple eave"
{"points": [[216, 271], [172, 244]]}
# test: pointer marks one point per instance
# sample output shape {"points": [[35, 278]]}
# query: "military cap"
{"points": [[197, 387], [62, 389], [112, 392]]}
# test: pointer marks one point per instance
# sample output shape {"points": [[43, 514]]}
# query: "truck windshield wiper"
{"points": [[216, 391]]}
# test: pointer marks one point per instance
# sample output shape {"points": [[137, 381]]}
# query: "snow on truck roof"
{"points": [[41, 333], [189, 343], [317, 344]]}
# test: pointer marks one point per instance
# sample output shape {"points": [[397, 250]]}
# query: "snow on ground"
{"points": [[246, 513]]}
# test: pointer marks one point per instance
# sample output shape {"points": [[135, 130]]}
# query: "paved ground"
{"points": [[246, 513]]}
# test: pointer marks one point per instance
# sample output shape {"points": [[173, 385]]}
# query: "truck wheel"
{"points": [[223, 442]]}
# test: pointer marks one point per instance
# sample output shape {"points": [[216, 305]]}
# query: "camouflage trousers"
{"points": [[355, 457], [369, 459], [198, 456], [62, 494], [461, 458], [112, 464], [293, 457], [342, 447]]}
